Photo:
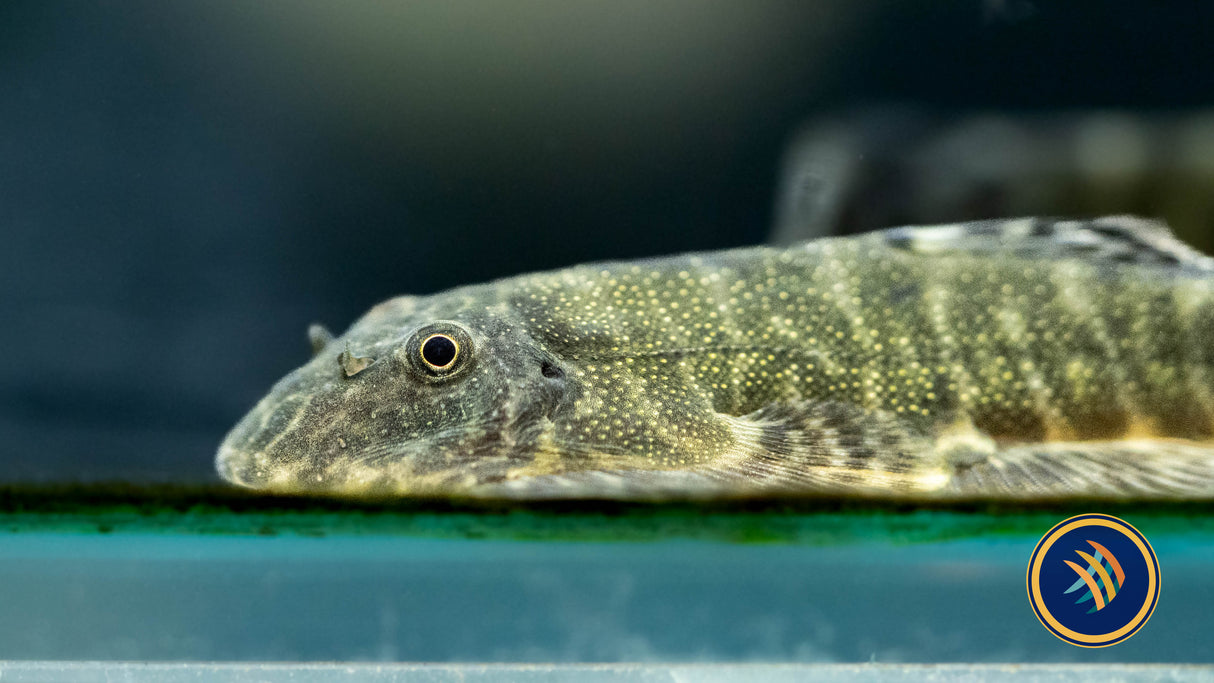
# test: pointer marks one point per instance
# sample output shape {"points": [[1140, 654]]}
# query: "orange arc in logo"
{"points": [[1104, 552]]}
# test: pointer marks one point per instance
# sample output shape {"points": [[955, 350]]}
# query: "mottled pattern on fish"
{"points": [[1021, 359]]}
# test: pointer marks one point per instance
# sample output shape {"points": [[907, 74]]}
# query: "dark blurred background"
{"points": [[185, 186]]}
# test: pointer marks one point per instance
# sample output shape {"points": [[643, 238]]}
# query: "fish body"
{"points": [[1019, 359]]}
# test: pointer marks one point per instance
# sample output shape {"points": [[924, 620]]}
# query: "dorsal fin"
{"points": [[1119, 239]]}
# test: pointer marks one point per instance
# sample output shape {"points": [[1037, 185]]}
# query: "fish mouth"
{"points": [[235, 466], [241, 459], [252, 453], [237, 456]]}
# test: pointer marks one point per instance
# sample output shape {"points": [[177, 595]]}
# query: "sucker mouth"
{"points": [[224, 465], [235, 466], [242, 455]]}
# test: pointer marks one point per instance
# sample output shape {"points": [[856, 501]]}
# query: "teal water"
{"points": [[155, 595]]}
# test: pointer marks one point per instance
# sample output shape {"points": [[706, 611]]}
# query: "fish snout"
{"points": [[237, 466], [258, 451]]}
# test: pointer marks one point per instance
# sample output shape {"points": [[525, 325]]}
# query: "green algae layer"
{"points": [[106, 508]]}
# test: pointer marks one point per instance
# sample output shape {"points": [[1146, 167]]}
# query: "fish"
{"points": [[1016, 359]]}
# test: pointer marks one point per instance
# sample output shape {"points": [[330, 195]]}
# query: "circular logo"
{"points": [[1093, 580]]}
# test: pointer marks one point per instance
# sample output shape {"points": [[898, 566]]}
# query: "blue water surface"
{"points": [[156, 596]]}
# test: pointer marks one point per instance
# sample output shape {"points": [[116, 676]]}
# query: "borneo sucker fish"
{"points": [[1019, 359]]}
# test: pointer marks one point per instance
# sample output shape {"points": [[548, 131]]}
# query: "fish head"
{"points": [[422, 396]]}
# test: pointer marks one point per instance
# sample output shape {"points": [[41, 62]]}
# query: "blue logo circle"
{"points": [[1093, 580]]}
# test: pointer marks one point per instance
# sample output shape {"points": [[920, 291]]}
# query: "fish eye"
{"points": [[439, 351]]}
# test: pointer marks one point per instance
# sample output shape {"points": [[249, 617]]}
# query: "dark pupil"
{"points": [[438, 351]]}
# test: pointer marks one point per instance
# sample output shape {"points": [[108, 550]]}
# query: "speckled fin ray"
{"points": [[1118, 239], [1117, 469], [825, 447]]}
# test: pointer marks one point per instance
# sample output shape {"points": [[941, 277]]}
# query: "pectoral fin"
{"points": [[828, 448]]}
